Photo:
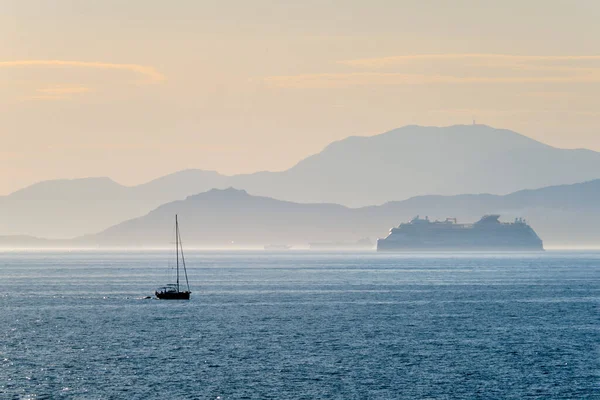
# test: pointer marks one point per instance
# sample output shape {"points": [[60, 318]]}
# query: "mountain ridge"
{"points": [[349, 138], [356, 171], [234, 217], [562, 215]]}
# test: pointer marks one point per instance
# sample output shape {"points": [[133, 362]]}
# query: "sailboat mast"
{"points": [[187, 282], [177, 248]]}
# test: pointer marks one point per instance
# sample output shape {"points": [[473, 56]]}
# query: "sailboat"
{"points": [[173, 291]]}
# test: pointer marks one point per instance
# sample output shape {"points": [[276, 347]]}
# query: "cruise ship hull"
{"points": [[396, 248]]}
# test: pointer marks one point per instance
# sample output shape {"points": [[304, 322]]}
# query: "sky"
{"points": [[134, 90]]}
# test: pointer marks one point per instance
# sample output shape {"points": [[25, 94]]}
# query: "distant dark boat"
{"points": [[173, 291], [277, 247]]}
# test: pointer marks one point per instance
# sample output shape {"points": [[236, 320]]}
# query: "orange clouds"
{"points": [[151, 74], [507, 69], [496, 58]]}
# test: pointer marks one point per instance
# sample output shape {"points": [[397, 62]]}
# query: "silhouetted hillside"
{"points": [[356, 171], [232, 217], [68, 208], [25, 242], [415, 160], [562, 215]]}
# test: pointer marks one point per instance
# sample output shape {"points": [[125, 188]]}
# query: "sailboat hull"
{"points": [[173, 295]]}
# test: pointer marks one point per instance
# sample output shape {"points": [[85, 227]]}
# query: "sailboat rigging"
{"points": [[173, 291]]}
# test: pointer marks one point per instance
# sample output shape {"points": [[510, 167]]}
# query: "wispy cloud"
{"points": [[375, 78], [61, 90], [468, 68], [150, 74], [381, 62], [45, 97], [57, 92]]}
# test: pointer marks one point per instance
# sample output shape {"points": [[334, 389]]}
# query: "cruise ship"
{"points": [[487, 234]]}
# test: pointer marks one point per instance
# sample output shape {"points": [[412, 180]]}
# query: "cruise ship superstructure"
{"points": [[487, 234]]}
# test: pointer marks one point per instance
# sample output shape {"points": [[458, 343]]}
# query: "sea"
{"points": [[300, 325]]}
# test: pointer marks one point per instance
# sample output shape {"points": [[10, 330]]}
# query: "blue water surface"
{"points": [[300, 325]]}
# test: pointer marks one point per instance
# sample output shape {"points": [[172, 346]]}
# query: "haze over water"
{"points": [[301, 325]]}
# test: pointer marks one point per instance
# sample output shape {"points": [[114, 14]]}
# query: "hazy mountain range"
{"points": [[567, 215], [357, 171]]}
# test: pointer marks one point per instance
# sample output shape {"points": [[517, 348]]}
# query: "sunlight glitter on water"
{"points": [[300, 326]]}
